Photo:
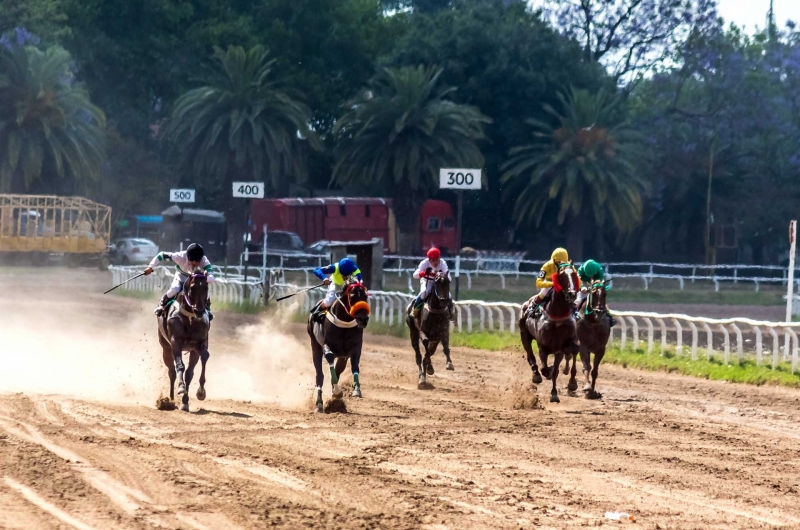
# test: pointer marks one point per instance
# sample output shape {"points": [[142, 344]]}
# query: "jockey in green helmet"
{"points": [[591, 272]]}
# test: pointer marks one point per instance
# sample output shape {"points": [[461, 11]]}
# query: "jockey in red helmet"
{"points": [[425, 272]]}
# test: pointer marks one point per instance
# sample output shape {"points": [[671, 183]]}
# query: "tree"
{"points": [[629, 36], [580, 169], [51, 135], [507, 62], [242, 125], [396, 136]]}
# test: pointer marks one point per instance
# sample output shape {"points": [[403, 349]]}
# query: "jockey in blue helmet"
{"points": [[339, 274]]}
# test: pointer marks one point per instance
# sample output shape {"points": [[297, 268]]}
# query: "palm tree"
{"points": [[396, 136], [240, 125], [581, 169], [51, 135]]}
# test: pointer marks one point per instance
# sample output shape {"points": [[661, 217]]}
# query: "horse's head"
{"points": [[441, 286], [596, 299], [195, 292], [565, 282], [355, 299]]}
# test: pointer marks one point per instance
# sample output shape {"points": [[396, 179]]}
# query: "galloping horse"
{"points": [[434, 325], [339, 337], [184, 327], [594, 328], [554, 330]]}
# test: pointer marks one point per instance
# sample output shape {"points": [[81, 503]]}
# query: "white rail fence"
{"points": [[504, 268], [734, 339]]}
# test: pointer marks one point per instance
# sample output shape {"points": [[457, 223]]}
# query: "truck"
{"points": [[351, 219], [35, 228]]}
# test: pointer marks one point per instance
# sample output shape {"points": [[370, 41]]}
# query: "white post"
{"points": [[790, 283], [264, 256]]}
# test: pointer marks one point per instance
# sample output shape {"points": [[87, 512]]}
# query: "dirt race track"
{"points": [[82, 445]]}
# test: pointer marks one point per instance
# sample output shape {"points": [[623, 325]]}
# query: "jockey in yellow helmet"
{"points": [[544, 281]]}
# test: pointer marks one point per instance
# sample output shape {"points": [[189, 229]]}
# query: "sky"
{"points": [[752, 13]]}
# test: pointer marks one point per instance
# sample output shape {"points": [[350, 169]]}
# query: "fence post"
{"points": [[694, 340], [759, 354], [726, 344], [776, 347]]}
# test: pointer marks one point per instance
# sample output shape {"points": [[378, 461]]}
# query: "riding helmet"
{"points": [[591, 268], [434, 253], [347, 267], [195, 252], [560, 254]]}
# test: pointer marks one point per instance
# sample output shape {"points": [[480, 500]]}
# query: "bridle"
{"points": [[348, 304], [589, 309], [187, 291]]}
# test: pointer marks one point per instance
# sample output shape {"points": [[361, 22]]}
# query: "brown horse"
{"points": [[184, 328], [554, 330], [340, 337], [434, 324], [594, 327]]}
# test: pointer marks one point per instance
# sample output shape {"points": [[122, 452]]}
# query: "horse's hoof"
{"points": [[450, 366], [591, 394], [537, 378], [357, 392], [319, 409], [572, 386], [185, 407], [554, 399], [546, 372], [181, 388], [201, 394], [338, 393]]}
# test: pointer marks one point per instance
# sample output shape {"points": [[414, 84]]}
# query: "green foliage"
{"points": [[51, 135], [241, 121], [583, 162], [400, 132]]}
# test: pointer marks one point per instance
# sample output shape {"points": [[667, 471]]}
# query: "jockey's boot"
{"points": [[162, 304], [208, 310], [535, 309], [418, 303], [611, 320], [317, 313]]}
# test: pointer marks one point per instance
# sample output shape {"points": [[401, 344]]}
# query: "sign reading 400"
{"points": [[248, 190], [460, 179]]}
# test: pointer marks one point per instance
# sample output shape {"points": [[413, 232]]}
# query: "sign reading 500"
{"points": [[248, 190], [460, 179]]}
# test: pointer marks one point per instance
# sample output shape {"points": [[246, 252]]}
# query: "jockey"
{"points": [[544, 281], [339, 274], [425, 272], [185, 262], [590, 272]]}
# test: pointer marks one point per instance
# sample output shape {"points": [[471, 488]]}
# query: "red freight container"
{"points": [[350, 219]]}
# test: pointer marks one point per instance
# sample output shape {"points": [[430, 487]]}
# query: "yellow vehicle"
{"points": [[44, 225]]}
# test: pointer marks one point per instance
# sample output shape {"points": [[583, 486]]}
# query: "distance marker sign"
{"points": [[248, 190], [181, 195], [460, 179]]}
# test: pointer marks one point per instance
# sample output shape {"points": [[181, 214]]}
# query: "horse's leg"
{"points": [[586, 358], [565, 370], [430, 349], [414, 334], [559, 355], [166, 352], [446, 350], [543, 353], [355, 361], [316, 354], [331, 358], [598, 356], [527, 344], [341, 364], [177, 359], [204, 355], [193, 358], [572, 386]]}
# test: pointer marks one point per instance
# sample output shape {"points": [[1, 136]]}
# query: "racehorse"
{"points": [[554, 330], [184, 328], [594, 327], [433, 324], [339, 337]]}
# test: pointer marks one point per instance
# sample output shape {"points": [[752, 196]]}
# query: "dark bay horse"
{"points": [[594, 327], [184, 328], [554, 330], [433, 324], [339, 337]]}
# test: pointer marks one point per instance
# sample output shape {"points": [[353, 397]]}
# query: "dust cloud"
{"points": [[55, 341]]}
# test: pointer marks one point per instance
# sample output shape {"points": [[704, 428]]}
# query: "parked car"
{"points": [[322, 248], [132, 251]]}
